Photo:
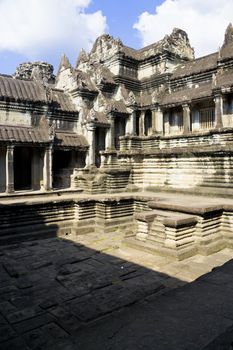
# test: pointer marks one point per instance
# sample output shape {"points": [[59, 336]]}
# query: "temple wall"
{"points": [[10, 117], [62, 124], [188, 171], [127, 71], [65, 218], [146, 70], [153, 143], [180, 162]]}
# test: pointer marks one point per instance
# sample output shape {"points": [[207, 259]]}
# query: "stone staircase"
{"points": [[180, 229], [109, 178], [157, 231]]}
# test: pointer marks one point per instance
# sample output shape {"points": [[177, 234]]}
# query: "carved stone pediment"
{"points": [[104, 48], [81, 83], [154, 97], [131, 100], [92, 115]]}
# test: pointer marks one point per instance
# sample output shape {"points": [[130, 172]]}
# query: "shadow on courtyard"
{"points": [[58, 294]]}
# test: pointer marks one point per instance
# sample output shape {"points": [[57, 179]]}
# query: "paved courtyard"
{"points": [[55, 294]]}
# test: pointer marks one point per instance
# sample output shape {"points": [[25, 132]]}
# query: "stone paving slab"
{"points": [[196, 316], [58, 294], [51, 288]]}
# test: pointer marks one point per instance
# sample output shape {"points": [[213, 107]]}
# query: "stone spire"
{"points": [[65, 79], [228, 35], [226, 50], [82, 58], [64, 63]]}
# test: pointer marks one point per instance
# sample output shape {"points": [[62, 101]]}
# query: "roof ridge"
{"points": [[199, 58], [6, 75]]}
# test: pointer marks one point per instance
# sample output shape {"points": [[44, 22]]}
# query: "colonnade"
{"points": [[46, 183]]}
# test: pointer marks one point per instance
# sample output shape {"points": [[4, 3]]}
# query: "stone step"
{"points": [[185, 207], [157, 249]]}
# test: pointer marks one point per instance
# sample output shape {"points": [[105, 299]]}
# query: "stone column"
{"points": [[142, 124], [166, 123], [47, 169], [153, 116], [91, 140], [218, 111], [186, 118], [10, 169], [110, 134], [131, 124], [157, 121], [128, 125], [103, 159]]}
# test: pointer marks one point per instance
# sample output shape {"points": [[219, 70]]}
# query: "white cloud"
{"points": [[33, 27], [204, 21]]}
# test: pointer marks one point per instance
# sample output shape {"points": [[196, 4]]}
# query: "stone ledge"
{"points": [[146, 216], [118, 170], [177, 221], [204, 190], [170, 219], [195, 134], [228, 207], [186, 208], [185, 151]]}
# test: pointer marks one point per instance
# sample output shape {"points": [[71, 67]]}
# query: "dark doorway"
{"points": [[22, 168], [119, 130], [62, 168], [138, 123], [61, 159], [148, 123], [100, 134]]}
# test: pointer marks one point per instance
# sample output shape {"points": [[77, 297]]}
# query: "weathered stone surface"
{"points": [[39, 71], [53, 310], [15, 344], [201, 324], [6, 333], [106, 47]]}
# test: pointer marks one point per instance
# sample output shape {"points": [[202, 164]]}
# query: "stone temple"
{"points": [[115, 144], [116, 200]]}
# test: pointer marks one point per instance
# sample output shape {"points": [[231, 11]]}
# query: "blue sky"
{"points": [[45, 29], [121, 16]]}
